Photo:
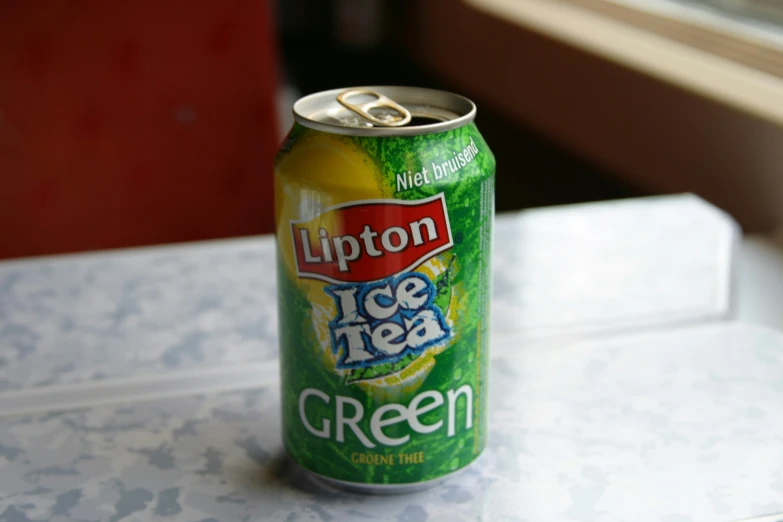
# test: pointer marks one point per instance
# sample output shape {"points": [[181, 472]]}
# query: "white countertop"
{"points": [[759, 289], [142, 384], [559, 272]]}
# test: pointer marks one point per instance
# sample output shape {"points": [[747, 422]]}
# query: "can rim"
{"points": [[464, 108]]}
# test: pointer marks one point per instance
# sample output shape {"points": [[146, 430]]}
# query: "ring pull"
{"points": [[402, 116]]}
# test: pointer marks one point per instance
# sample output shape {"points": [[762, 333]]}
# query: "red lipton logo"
{"points": [[370, 240]]}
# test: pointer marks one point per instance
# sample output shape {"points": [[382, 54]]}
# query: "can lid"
{"points": [[384, 111]]}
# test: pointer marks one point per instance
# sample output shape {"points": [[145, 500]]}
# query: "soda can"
{"points": [[384, 203]]}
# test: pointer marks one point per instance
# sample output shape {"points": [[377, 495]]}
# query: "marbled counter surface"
{"points": [[559, 272], [142, 384]]}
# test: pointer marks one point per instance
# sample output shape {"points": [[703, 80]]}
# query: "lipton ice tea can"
{"points": [[384, 203]]}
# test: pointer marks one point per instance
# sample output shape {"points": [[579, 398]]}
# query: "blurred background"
{"points": [[141, 122]]}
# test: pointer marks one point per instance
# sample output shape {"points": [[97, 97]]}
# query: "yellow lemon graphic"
{"points": [[322, 171]]}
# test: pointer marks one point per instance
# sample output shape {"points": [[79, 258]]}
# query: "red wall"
{"points": [[134, 122]]}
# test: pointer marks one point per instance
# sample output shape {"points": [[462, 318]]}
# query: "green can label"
{"points": [[384, 252]]}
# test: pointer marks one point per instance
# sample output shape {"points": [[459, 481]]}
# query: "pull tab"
{"points": [[402, 116]]}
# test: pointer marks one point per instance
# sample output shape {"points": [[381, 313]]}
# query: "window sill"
{"points": [[714, 61]]}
